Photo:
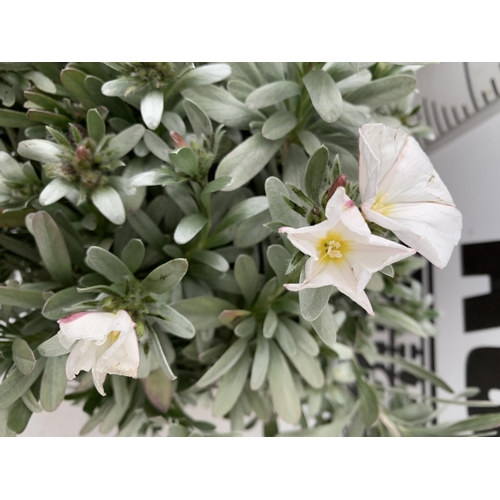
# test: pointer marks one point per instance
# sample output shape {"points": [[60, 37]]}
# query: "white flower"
{"points": [[402, 192], [343, 251], [106, 343]]}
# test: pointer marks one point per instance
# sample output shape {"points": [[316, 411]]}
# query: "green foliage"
{"points": [[159, 189]]}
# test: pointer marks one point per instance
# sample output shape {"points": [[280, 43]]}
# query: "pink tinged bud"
{"points": [[179, 141], [82, 153], [349, 204], [72, 317], [340, 181]]}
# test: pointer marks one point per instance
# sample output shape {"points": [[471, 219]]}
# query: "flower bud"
{"points": [[82, 153], [179, 141], [340, 181]]}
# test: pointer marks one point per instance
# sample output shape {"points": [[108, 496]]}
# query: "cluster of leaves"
{"points": [[158, 188]]}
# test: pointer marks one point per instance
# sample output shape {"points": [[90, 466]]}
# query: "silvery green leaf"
{"points": [[221, 106], [203, 75], [278, 257], [383, 91], [412, 412], [19, 416], [355, 81], [324, 94], [245, 328], [200, 122], [121, 397], [260, 364], [326, 327], [243, 210], [10, 169], [109, 203], [117, 88], [160, 355], [53, 383], [212, 259], [272, 70], [173, 123], [41, 150], [340, 70], [171, 321], [284, 394], [52, 247], [57, 189], [4, 428], [231, 386], [31, 403], [52, 347], [57, 305], [41, 81], [224, 363], [343, 351], [165, 277], [240, 89], [368, 402], [270, 324], [247, 277], [97, 417], [182, 196], [185, 160], [216, 185], [152, 108], [308, 367], [353, 116], [395, 318], [310, 142], [285, 340], [107, 264], [302, 337], [147, 229], [177, 430], [131, 198], [133, 254], [7, 95], [245, 161], [313, 301], [157, 146], [133, 424], [376, 283], [14, 119], [418, 371], [23, 356], [203, 311], [28, 299], [17, 384], [388, 271], [271, 94], [252, 231], [95, 125], [280, 211], [159, 390], [125, 141], [347, 160], [188, 228], [315, 173], [279, 125]]}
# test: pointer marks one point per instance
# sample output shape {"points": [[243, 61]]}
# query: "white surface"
{"points": [[470, 167]]}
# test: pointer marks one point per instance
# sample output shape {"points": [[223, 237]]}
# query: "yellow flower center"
{"points": [[332, 246], [113, 336], [381, 206]]}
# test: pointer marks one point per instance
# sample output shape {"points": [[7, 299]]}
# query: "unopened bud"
{"points": [[340, 181], [82, 153], [179, 141]]}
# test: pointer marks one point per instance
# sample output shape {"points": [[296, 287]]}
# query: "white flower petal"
{"points": [[431, 228], [122, 358], [412, 178], [341, 207], [86, 326], [345, 280], [379, 147], [82, 357], [99, 378], [316, 276], [306, 238]]}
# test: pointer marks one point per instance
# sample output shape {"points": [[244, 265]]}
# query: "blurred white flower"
{"points": [[343, 251], [402, 192], [105, 343]]}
